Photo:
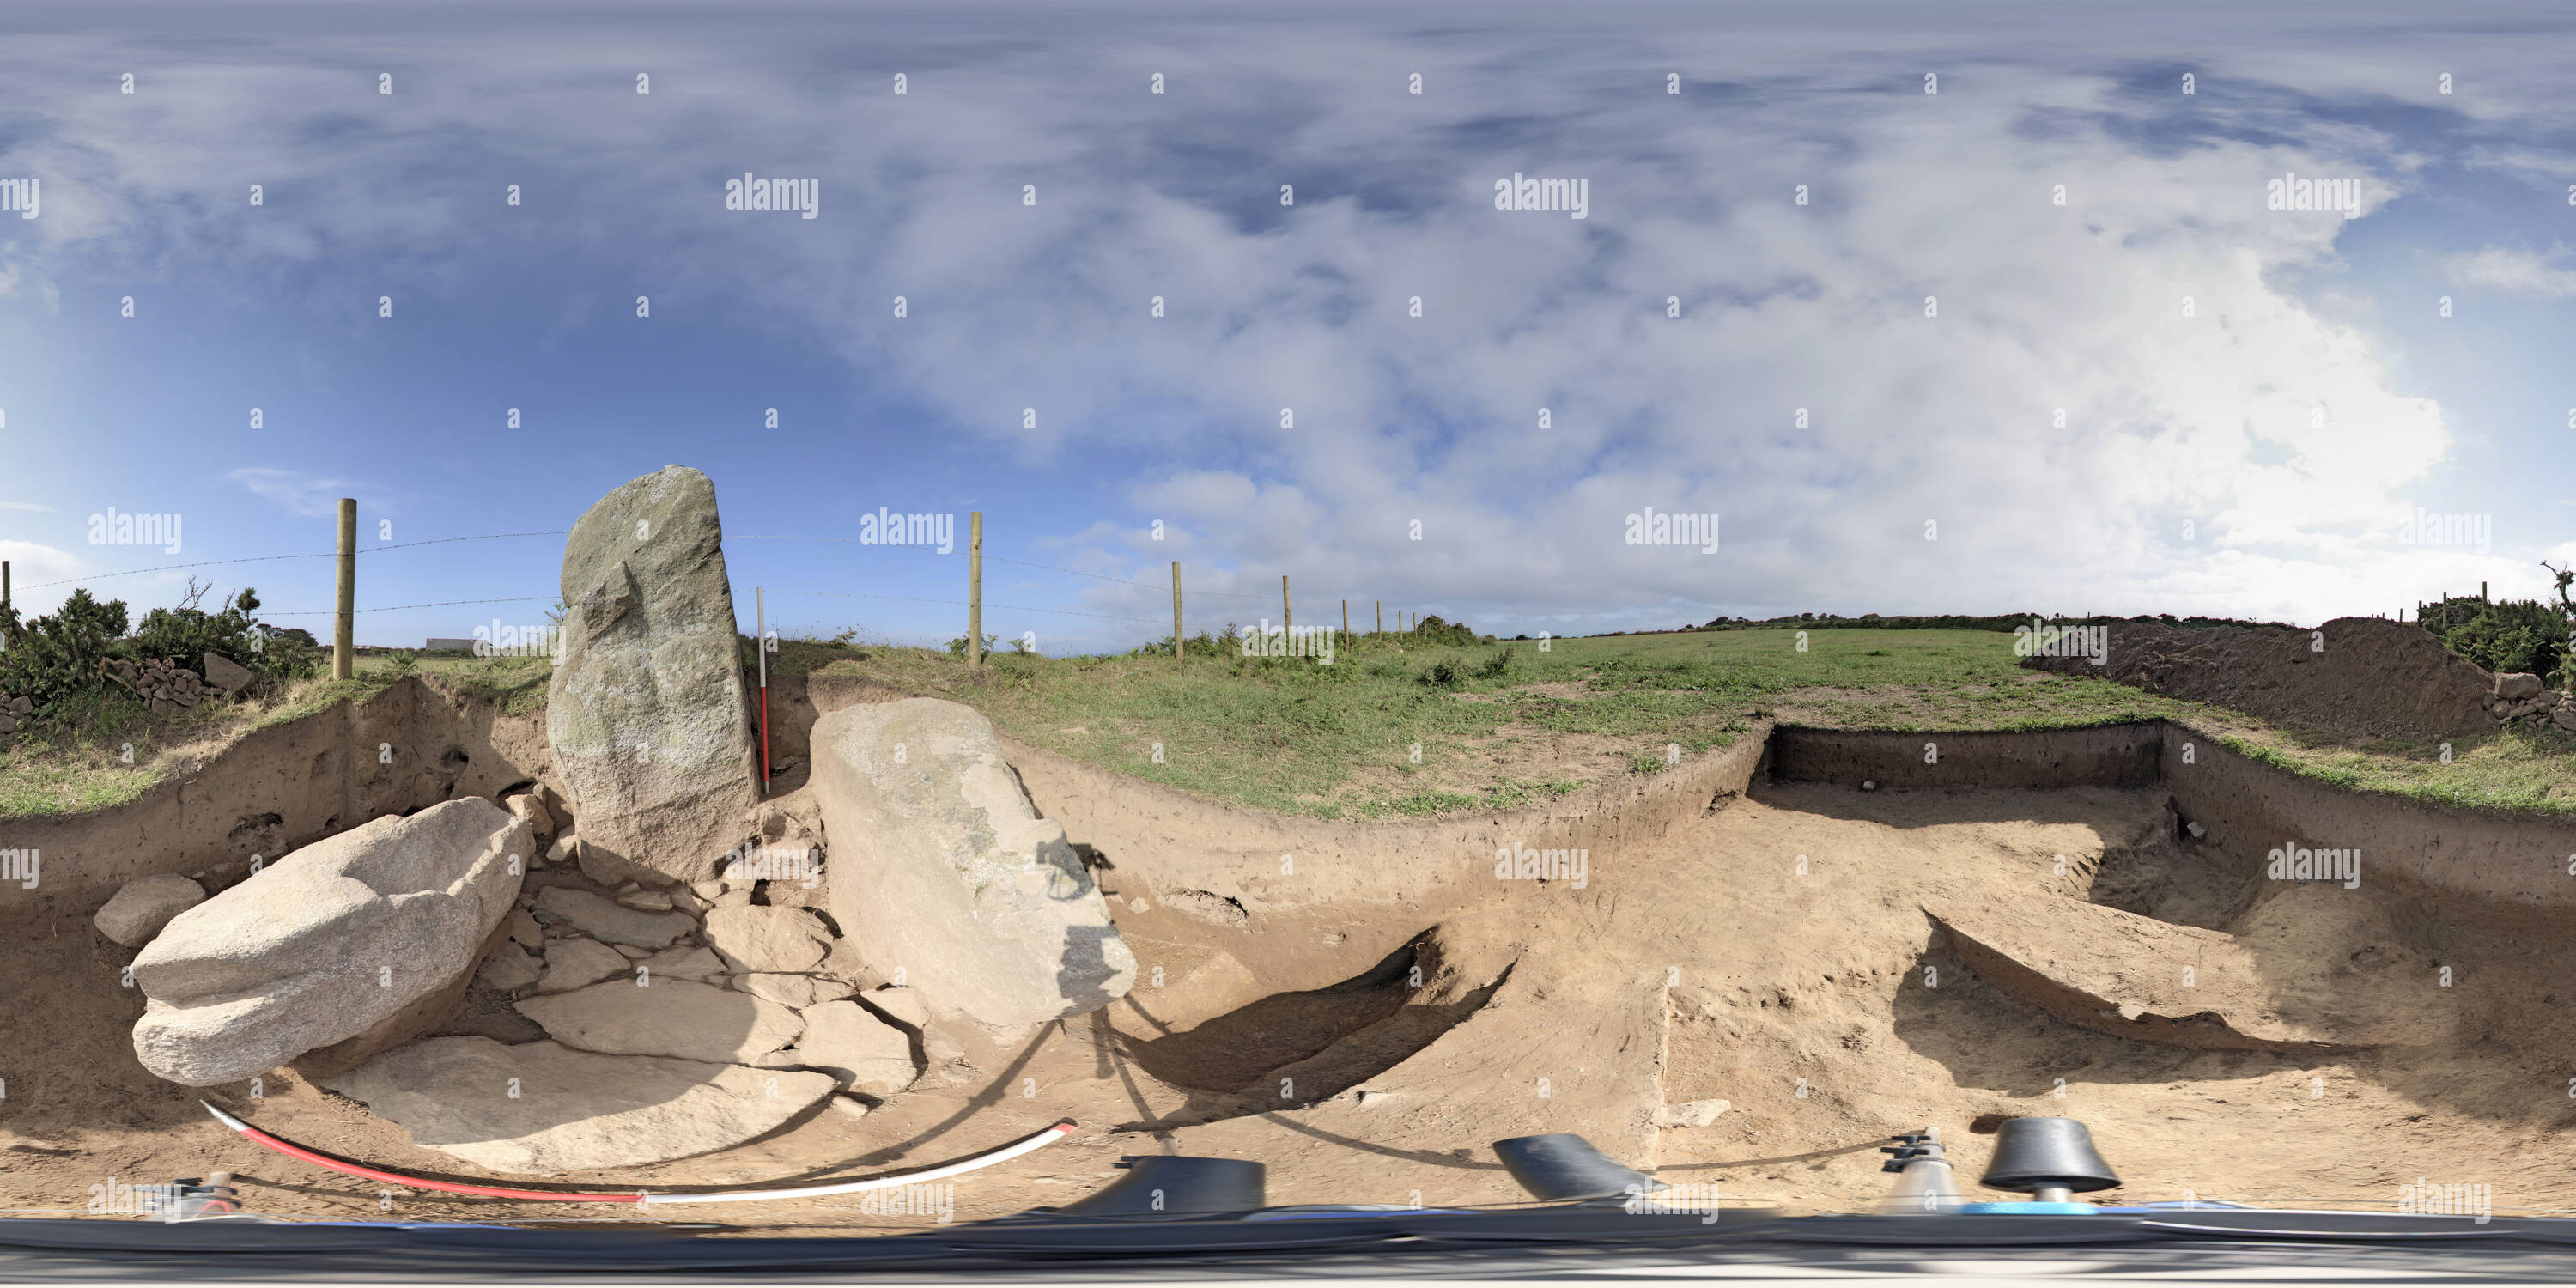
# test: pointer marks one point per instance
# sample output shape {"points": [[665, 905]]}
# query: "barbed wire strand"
{"points": [[498, 536], [396, 608], [993, 558], [1224, 594], [135, 572], [909, 599]]}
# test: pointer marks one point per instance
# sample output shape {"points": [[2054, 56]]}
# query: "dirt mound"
{"points": [[2355, 676]]}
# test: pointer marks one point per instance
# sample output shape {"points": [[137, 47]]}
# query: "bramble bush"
{"points": [[56, 660], [2523, 635]]}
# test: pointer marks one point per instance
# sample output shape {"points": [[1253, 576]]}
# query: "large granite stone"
{"points": [[329, 943], [943, 875], [646, 713]]}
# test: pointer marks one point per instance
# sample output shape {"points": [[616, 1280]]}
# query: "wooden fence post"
{"points": [[975, 590], [1285, 621], [344, 634], [1176, 610]]}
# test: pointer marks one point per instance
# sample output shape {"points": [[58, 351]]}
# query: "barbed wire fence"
{"points": [[974, 603]]}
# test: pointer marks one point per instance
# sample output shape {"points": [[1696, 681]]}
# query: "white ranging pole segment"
{"points": [[1002, 1155], [760, 647]]}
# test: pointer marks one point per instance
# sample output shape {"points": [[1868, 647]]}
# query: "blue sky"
{"points": [[2312, 397]]}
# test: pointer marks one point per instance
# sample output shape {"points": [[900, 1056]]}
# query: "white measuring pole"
{"points": [[760, 645]]}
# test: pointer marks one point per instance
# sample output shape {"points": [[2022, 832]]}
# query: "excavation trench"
{"points": [[1288, 1050], [1754, 928]]}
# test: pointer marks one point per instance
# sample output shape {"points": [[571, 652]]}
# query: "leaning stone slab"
{"points": [[138, 912], [678, 1018], [645, 714], [574, 1110], [944, 876], [331, 943]]}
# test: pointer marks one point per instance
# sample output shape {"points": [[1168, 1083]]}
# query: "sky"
{"points": [[1936, 308]]}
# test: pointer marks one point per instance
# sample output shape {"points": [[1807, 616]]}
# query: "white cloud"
{"points": [[2275, 434], [2515, 272], [306, 496], [31, 567]]}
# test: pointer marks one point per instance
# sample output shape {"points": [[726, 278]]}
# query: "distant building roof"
{"points": [[448, 646]]}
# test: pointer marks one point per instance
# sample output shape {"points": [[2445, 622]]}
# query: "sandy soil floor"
{"points": [[1775, 954]]}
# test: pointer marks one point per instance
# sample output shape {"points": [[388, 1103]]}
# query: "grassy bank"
{"points": [[1503, 725], [1494, 726], [119, 750]]}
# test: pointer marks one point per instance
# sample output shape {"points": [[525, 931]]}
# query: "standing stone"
{"points": [[646, 714], [943, 871], [356, 936]]}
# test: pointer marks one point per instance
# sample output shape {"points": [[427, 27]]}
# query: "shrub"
{"points": [[1497, 666], [58, 655], [2521, 635], [57, 660], [1444, 675], [288, 654], [1432, 630]]}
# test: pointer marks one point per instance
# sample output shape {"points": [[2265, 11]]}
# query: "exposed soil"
{"points": [[2353, 677], [1366, 1025]]}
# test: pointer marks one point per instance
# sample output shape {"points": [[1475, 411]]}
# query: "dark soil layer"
{"points": [[2353, 677]]}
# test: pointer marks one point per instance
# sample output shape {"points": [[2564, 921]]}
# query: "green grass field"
{"points": [[1496, 726], [1521, 724]]}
